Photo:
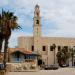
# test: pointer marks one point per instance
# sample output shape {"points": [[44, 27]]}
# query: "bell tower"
{"points": [[37, 28], [37, 24]]}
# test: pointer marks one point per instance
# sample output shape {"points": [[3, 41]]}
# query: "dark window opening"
{"points": [[37, 21], [51, 48], [59, 48], [44, 48], [17, 55], [39, 62], [32, 48]]}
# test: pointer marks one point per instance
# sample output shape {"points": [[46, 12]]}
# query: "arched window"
{"points": [[37, 21]]}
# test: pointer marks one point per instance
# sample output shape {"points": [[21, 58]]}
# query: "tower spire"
{"points": [[37, 28], [37, 6], [37, 11]]}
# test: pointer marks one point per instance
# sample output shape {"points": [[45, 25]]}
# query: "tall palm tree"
{"points": [[60, 57], [72, 55], [54, 46], [8, 22], [63, 56]]}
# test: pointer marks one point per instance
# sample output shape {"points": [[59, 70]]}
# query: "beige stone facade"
{"points": [[42, 45]]}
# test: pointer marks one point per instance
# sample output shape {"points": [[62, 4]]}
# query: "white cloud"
{"points": [[62, 13], [3, 2]]}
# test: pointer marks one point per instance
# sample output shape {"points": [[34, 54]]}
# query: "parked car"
{"points": [[51, 67], [64, 65]]}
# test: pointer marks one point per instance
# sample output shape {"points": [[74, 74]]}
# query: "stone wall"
{"points": [[14, 67]]}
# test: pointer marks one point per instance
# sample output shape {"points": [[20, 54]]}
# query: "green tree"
{"points": [[8, 22], [63, 56], [72, 53]]}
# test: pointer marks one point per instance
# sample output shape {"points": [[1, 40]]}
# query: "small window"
{"points": [[51, 48], [59, 48], [37, 21], [44, 48], [32, 48]]}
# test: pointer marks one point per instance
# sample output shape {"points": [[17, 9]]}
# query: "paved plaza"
{"points": [[61, 71]]}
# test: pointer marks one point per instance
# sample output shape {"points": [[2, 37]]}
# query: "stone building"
{"points": [[42, 45]]}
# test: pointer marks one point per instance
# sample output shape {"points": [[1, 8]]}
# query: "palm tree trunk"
{"points": [[5, 52], [54, 56], [72, 58], [54, 47], [1, 41]]}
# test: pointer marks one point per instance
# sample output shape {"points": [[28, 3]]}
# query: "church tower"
{"points": [[37, 23], [37, 28]]}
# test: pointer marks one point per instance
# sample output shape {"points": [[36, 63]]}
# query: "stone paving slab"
{"points": [[61, 71]]}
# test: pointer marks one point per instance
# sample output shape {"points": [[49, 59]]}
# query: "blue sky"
{"points": [[57, 17]]}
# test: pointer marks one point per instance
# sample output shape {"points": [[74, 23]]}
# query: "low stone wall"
{"points": [[13, 67], [2, 72]]}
